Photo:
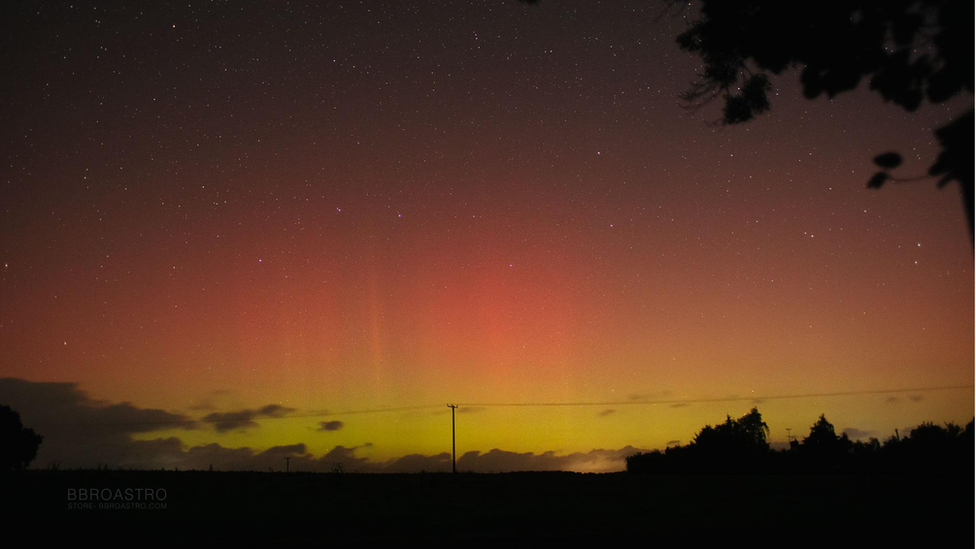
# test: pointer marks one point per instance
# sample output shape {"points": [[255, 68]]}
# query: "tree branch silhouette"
{"points": [[909, 51]]}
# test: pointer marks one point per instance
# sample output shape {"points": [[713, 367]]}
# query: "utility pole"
{"points": [[791, 440], [287, 463], [453, 408]]}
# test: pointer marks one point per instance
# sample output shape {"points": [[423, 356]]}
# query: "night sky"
{"points": [[279, 213]]}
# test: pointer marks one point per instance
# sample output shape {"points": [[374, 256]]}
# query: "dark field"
{"points": [[325, 509]]}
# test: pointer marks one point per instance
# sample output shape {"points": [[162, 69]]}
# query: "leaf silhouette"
{"points": [[877, 180], [888, 160]]}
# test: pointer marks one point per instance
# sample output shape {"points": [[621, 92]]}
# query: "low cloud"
{"points": [[245, 459], [500, 461], [206, 404], [913, 398], [644, 397], [857, 434], [607, 412], [243, 419], [286, 450], [330, 425], [418, 463], [80, 432]]}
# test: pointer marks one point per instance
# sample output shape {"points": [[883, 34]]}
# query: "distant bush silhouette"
{"points": [[18, 446]]}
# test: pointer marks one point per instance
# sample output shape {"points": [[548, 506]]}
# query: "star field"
{"points": [[372, 204]]}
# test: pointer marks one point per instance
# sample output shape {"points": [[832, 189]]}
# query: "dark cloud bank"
{"points": [[243, 419], [81, 432]]}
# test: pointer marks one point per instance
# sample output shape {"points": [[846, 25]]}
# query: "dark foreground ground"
{"points": [[316, 510]]}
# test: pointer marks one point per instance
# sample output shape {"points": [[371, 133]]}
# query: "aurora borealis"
{"points": [[212, 208]]}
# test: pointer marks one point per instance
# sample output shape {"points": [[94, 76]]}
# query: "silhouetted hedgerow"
{"points": [[739, 446]]}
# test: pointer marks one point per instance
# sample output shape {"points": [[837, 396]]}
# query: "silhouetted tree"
{"points": [[736, 444], [18, 445], [823, 449], [646, 462], [932, 446], [866, 450], [821, 435], [748, 433], [909, 50]]}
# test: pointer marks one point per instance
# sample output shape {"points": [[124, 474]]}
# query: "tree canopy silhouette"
{"points": [[737, 444], [821, 434], [18, 445], [734, 446], [908, 50], [740, 445], [745, 435], [824, 449]]}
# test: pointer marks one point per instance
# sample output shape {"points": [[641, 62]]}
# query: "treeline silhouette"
{"points": [[741, 446]]}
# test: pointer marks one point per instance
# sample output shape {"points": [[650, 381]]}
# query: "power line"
{"points": [[177, 422], [709, 400]]}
